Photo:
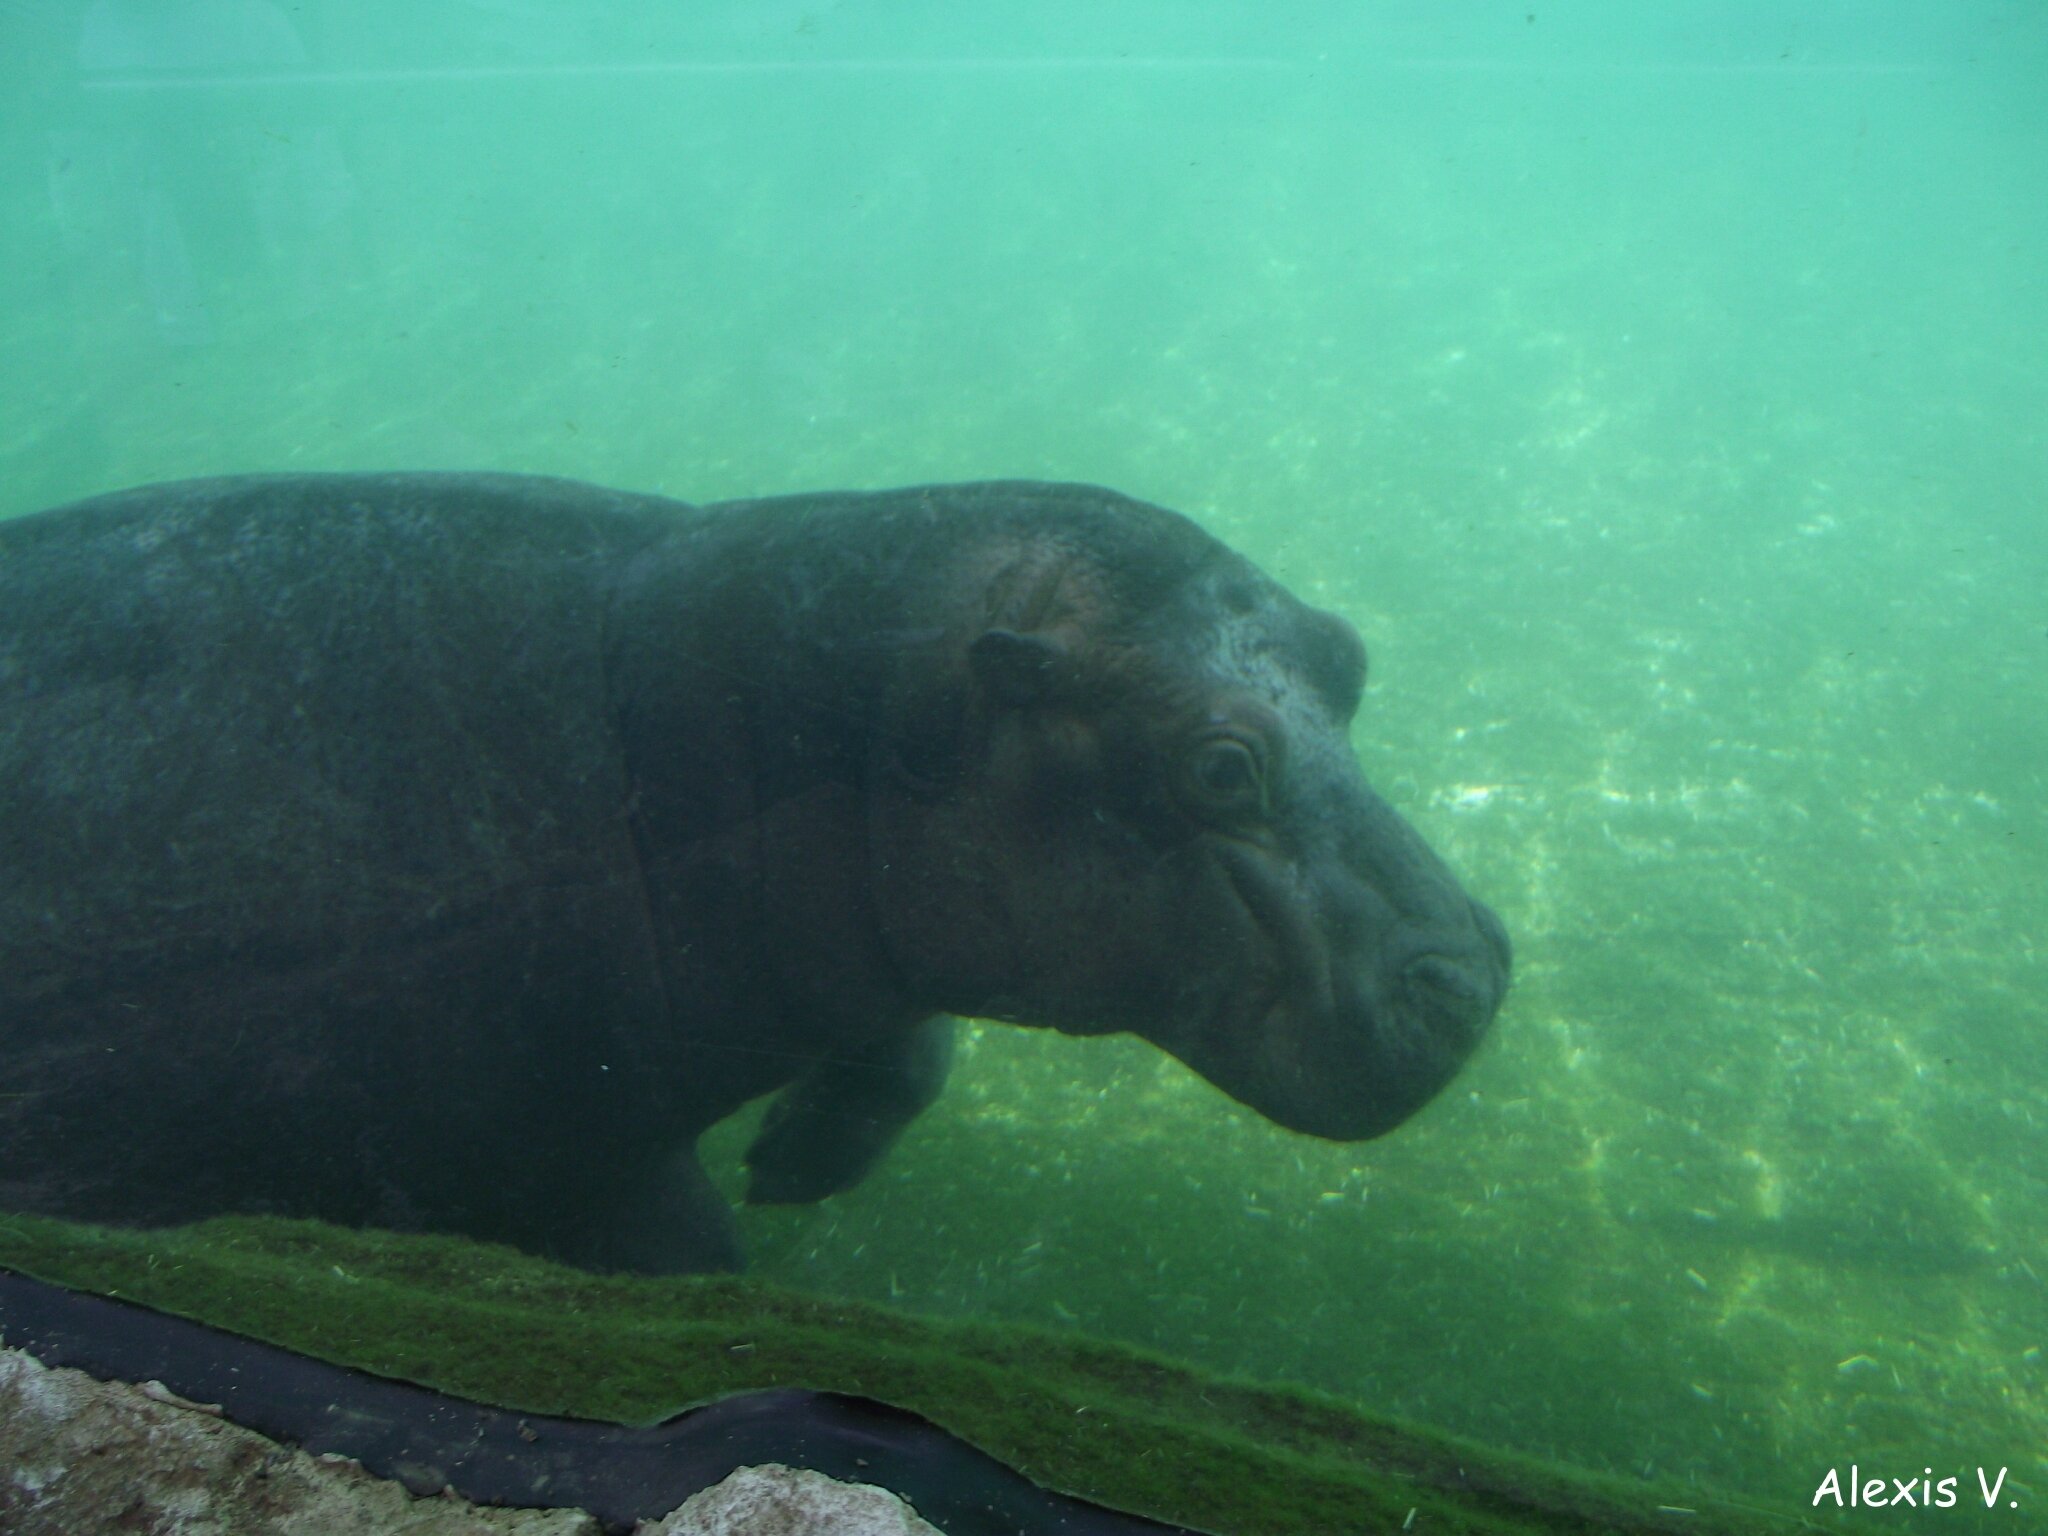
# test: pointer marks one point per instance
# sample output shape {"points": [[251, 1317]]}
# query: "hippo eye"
{"points": [[1224, 776]]}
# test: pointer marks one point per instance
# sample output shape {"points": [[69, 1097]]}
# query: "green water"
{"points": [[1662, 394]]}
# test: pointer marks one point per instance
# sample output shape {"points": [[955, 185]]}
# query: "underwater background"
{"points": [[1661, 391]]}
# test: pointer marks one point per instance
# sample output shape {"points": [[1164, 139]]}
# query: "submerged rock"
{"points": [[775, 1500], [79, 1455]]}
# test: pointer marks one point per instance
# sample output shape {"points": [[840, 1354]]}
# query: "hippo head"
{"points": [[1118, 793]]}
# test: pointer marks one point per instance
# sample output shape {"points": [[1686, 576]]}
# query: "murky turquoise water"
{"points": [[1664, 398]]}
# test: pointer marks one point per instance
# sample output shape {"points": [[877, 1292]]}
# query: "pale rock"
{"points": [[774, 1500]]}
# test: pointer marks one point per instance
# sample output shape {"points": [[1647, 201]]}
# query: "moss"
{"points": [[1101, 1421]]}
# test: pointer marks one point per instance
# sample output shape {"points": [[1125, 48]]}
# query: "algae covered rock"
{"points": [[80, 1455]]}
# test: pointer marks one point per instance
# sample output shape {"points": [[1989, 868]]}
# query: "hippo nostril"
{"points": [[1447, 982]]}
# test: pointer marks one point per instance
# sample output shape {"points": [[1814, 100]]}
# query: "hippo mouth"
{"points": [[1358, 1015]]}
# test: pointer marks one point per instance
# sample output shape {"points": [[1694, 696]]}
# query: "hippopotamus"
{"points": [[450, 851]]}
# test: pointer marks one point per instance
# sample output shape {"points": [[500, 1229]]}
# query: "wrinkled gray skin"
{"points": [[451, 851]]}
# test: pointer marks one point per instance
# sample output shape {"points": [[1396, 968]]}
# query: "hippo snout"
{"points": [[1466, 984], [1412, 1031], [1452, 995]]}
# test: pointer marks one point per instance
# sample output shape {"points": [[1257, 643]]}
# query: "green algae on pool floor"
{"points": [[1102, 1421]]}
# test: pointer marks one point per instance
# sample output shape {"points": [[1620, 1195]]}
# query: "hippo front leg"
{"points": [[828, 1128]]}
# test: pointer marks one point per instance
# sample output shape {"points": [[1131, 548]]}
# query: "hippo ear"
{"points": [[1017, 670]]}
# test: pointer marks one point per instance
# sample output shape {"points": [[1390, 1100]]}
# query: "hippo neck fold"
{"points": [[764, 656], [749, 653]]}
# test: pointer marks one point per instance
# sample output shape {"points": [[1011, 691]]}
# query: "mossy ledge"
{"points": [[1100, 1421]]}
